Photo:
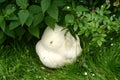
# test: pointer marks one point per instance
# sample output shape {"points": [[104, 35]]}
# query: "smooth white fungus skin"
{"points": [[55, 49]]}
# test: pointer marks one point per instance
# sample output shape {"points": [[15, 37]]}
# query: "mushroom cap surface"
{"points": [[55, 49]]}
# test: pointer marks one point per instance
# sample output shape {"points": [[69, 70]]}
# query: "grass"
{"points": [[20, 62]]}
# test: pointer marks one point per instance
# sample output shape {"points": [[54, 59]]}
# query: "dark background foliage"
{"points": [[24, 20]]}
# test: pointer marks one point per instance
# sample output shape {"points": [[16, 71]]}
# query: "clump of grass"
{"points": [[20, 62]]}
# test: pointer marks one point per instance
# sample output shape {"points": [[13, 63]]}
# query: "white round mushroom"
{"points": [[55, 49]]}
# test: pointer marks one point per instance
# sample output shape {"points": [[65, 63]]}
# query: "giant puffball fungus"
{"points": [[55, 49]]}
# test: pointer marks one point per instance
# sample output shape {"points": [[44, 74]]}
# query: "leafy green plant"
{"points": [[93, 25], [19, 18]]}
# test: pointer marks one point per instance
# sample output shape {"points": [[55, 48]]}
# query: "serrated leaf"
{"points": [[10, 33], [103, 35], [99, 42], [34, 31], [14, 24], [2, 23], [12, 17], [10, 9], [69, 18], [87, 33], [53, 12], [37, 19], [22, 3], [45, 5], [34, 9], [29, 20], [81, 9], [81, 32], [59, 2], [107, 12], [75, 28], [94, 39], [102, 39], [50, 22], [23, 16]]}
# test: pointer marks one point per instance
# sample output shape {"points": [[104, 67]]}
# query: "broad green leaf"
{"points": [[53, 12], [34, 9], [34, 31], [82, 29], [1, 34], [103, 35], [45, 5], [80, 9], [12, 17], [36, 15], [10, 9], [102, 39], [2, 23], [23, 16], [99, 42], [37, 19], [69, 18], [87, 33], [59, 2], [75, 28], [10, 33], [107, 12], [29, 20], [50, 22], [14, 24], [22, 3], [94, 39], [80, 32]]}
